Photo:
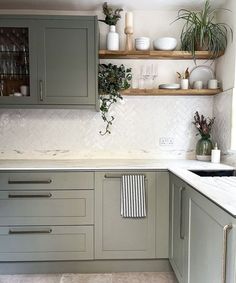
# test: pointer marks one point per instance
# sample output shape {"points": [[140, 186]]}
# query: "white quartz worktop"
{"points": [[108, 164], [220, 190]]}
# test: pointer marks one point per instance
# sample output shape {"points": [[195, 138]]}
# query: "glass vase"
{"points": [[203, 148]]}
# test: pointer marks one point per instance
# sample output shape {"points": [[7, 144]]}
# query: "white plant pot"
{"points": [[112, 39], [184, 83]]}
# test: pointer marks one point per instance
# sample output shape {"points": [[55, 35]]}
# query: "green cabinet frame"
{"points": [[63, 61]]}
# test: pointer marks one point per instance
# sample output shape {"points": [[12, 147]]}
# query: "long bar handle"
{"points": [[41, 90], [182, 228], [226, 230], [18, 182], [116, 176], [40, 231], [46, 195]]}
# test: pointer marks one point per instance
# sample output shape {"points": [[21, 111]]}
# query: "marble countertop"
{"points": [[221, 190], [108, 164]]}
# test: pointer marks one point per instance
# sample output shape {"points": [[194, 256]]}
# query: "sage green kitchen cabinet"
{"points": [[202, 237], [177, 236], [46, 215], [211, 241], [117, 237], [67, 61], [18, 56], [63, 59]]}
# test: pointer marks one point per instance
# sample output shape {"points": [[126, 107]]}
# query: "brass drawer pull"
{"points": [[46, 195], [41, 231], [18, 182]]}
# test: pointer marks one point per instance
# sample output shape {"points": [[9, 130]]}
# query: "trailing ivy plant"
{"points": [[111, 80]]}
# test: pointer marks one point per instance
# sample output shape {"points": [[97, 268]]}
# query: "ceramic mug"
{"points": [[198, 85], [213, 84]]}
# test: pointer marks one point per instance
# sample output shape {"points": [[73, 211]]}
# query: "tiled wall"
{"points": [[139, 123]]}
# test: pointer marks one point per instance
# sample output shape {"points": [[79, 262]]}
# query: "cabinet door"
{"points": [[67, 61], [18, 56], [177, 227], [209, 239], [117, 237]]}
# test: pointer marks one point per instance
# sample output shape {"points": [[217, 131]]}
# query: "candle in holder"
{"points": [[129, 20], [129, 31]]}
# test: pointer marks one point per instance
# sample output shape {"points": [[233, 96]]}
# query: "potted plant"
{"points": [[202, 32], [111, 80], [111, 18], [184, 79]]}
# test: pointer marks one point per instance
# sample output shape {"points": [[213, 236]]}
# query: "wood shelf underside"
{"points": [[157, 92], [163, 55]]}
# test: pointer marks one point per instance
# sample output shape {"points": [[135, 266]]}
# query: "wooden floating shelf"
{"points": [[157, 92], [174, 55]]}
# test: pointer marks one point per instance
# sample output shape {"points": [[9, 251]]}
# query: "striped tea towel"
{"points": [[133, 201]]}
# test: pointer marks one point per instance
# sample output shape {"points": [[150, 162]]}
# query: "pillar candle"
{"points": [[129, 20]]}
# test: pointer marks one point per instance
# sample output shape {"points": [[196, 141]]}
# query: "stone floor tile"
{"points": [[87, 278]]}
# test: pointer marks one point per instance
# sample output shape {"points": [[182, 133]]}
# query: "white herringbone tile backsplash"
{"points": [[139, 124]]}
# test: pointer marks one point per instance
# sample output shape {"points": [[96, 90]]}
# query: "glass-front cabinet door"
{"points": [[18, 62]]}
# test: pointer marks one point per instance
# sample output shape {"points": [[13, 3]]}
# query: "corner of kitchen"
{"points": [[118, 141]]}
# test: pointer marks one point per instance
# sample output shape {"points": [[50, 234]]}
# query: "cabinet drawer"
{"points": [[46, 180], [45, 243], [46, 207]]}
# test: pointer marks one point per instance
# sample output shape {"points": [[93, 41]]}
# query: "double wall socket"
{"points": [[166, 141]]}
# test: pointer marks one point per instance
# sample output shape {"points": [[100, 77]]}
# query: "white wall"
{"points": [[139, 123], [224, 104]]}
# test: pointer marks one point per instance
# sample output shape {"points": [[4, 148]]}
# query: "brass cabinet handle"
{"points": [[44, 195], [41, 90], [18, 182], [226, 230], [182, 228], [25, 231]]}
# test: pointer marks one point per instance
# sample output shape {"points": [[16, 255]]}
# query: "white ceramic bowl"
{"points": [[165, 43], [142, 43]]}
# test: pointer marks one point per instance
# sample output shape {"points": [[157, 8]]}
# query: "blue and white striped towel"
{"points": [[133, 196]]}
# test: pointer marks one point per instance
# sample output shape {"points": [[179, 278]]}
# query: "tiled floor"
{"points": [[132, 277]]}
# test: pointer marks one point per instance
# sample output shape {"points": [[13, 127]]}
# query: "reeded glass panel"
{"points": [[14, 61]]}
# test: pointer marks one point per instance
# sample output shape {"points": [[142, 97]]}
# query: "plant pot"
{"points": [[203, 148], [184, 83], [112, 39]]}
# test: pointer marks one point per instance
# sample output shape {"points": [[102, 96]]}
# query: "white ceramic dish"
{"points": [[202, 73], [169, 86], [165, 43], [142, 43]]}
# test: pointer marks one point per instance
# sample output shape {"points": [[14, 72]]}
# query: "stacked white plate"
{"points": [[142, 43], [169, 86]]}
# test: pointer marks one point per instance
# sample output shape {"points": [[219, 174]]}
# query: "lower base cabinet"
{"points": [[202, 237], [211, 242], [117, 237], [47, 243]]}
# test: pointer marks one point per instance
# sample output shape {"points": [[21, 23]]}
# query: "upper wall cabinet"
{"points": [[49, 61]]}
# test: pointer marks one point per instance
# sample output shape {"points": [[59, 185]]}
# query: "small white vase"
{"points": [[112, 39], [184, 83]]}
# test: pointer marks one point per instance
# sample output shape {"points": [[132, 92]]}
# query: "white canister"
{"points": [[112, 39], [215, 154], [184, 84], [198, 85]]}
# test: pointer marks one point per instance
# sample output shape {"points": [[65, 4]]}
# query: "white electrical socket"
{"points": [[166, 141]]}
